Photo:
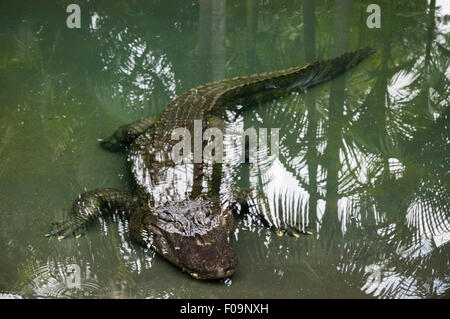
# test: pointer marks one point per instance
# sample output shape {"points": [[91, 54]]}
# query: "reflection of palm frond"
{"points": [[429, 214]]}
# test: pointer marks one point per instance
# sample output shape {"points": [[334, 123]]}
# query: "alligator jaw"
{"points": [[220, 274]]}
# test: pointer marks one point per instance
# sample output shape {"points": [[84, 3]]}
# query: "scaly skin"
{"points": [[180, 218]]}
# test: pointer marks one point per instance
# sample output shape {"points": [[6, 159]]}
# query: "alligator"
{"points": [[180, 218]]}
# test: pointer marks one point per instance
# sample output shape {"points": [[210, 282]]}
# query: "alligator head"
{"points": [[193, 235]]}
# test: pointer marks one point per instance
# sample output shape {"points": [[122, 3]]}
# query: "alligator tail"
{"points": [[321, 71], [313, 73], [273, 84]]}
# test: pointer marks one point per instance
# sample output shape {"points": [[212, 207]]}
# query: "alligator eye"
{"points": [[200, 218], [178, 225]]}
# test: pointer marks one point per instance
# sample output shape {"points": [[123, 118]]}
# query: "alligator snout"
{"points": [[222, 267], [212, 262]]}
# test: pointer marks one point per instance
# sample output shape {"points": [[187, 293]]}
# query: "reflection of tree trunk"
{"points": [[212, 57], [430, 30], [204, 40], [330, 221], [252, 21], [309, 30], [218, 18], [362, 25], [380, 117], [428, 47], [311, 133], [251, 16], [211, 39]]}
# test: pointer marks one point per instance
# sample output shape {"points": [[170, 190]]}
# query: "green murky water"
{"points": [[364, 159]]}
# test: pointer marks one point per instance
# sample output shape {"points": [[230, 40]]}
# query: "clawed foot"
{"points": [[254, 201], [291, 231], [63, 230]]}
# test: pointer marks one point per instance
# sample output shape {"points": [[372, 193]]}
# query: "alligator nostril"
{"points": [[220, 272], [178, 225]]}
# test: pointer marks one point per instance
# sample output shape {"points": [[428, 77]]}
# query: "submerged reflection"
{"points": [[371, 184]]}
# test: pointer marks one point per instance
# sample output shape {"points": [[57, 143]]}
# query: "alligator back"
{"points": [[150, 153], [214, 97]]}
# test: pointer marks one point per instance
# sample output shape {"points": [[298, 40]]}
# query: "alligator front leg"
{"points": [[91, 205], [126, 134], [251, 201]]}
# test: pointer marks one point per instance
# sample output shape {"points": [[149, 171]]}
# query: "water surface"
{"points": [[363, 165]]}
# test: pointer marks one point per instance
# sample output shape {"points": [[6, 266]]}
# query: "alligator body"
{"points": [[174, 208]]}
